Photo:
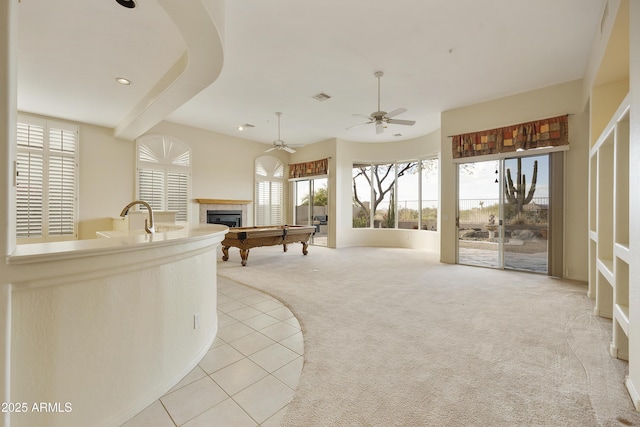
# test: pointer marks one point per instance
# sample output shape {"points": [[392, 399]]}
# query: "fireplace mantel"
{"points": [[222, 202]]}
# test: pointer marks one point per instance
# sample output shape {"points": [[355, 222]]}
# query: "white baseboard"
{"points": [[635, 397]]}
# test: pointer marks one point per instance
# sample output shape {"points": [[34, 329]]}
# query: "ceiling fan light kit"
{"points": [[381, 118]]}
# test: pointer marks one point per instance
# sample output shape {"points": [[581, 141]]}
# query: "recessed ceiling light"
{"points": [[129, 4], [123, 81]]}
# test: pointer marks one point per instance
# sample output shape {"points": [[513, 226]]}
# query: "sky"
{"points": [[477, 181]]}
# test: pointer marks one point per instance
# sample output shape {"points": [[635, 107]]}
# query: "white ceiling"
{"points": [[436, 55]]}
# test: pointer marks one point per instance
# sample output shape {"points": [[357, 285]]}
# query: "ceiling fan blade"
{"points": [[270, 149], [379, 127], [363, 116], [357, 126], [395, 112], [288, 149], [402, 122]]}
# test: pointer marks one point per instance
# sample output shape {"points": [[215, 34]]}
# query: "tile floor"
{"points": [[249, 375]]}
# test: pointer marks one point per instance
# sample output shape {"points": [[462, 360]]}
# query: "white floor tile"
{"points": [[219, 357], [192, 400], [293, 322], [225, 320], [295, 342], [238, 376], [251, 343], [274, 357], [261, 321], [225, 414], [193, 376], [264, 398], [235, 331], [280, 313], [279, 331], [244, 313], [267, 305], [276, 419], [255, 298], [290, 373], [153, 416], [230, 306]]}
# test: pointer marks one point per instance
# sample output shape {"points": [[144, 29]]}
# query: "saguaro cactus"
{"points": [[516, 194]]}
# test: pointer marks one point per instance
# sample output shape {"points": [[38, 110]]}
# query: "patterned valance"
{"points": [[552, 132], [314, 168]]}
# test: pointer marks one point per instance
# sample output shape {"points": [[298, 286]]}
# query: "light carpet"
{"points": [[395, 338]]}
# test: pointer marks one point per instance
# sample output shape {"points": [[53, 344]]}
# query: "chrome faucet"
{"points": [[148, 226]]}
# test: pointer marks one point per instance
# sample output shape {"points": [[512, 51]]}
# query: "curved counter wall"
{"points": [[101, 328]]}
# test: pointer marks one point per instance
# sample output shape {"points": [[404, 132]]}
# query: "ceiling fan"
{"points": [[382, 118], [279, 144]]}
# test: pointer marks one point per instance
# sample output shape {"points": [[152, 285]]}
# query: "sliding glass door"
{"points": [[478, 219], [503, 213], [311, 207]]}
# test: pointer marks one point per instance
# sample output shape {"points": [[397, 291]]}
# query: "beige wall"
{"points": [[107, 178], [223, 168], [537, 104]]}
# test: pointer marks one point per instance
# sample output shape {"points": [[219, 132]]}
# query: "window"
{"points": [[401, 195], [164, 174], [47, 181], [269, 201]]}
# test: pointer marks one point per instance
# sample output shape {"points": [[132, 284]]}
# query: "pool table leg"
{"points": [[305, 245], [225, 253], [244, 254]]}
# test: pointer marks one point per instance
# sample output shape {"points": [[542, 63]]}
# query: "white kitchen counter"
{"points": [[109, 325]]}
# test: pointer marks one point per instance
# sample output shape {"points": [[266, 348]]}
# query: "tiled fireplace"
{"points": [[224, 210]]}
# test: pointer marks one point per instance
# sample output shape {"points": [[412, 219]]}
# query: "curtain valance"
{"points": [[551, 132], [305, 169]]}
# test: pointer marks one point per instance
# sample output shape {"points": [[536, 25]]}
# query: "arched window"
{"points": [[269, 201], [164, 174]]}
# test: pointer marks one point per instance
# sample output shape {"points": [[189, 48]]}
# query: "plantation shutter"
{"points": [[46, 191], [262, 203], [62, 182], [177, 194], [276, 202], [164, 174], [269, 198], [151, 187]]}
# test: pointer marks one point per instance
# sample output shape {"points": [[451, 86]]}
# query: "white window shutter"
{"points": [[47, 181], [178, 194], [164, 174], [151, 187], [29, 194], [269, 197]]}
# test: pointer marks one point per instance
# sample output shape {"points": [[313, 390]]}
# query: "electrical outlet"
{"points": [[196, 321]]}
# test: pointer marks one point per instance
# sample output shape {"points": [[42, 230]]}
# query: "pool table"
{"points": [[245, 238]]}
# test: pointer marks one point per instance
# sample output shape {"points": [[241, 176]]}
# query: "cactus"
{"points": [[516, 195]]}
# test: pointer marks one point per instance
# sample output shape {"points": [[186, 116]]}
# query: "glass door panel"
{"points": [[320, 210], [526, 213], [311, 207], [478, 214], [303, 206]]}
